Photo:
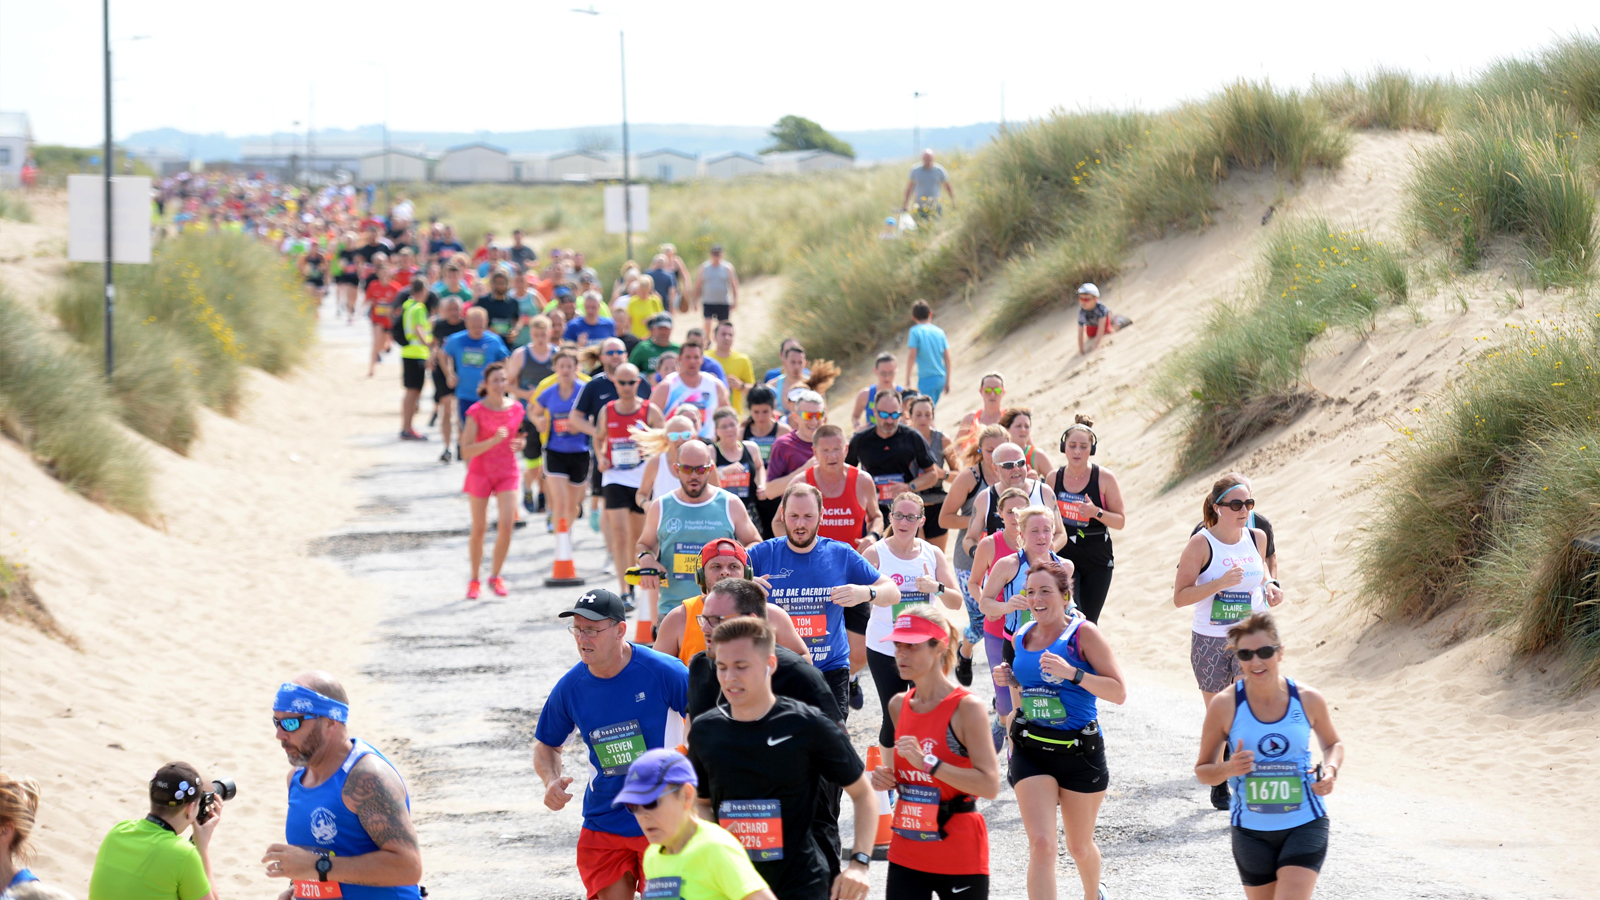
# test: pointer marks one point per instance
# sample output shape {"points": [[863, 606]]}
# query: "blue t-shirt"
{"points": [[619, 718], [597, 332], [1093, 316], [665, 282], [801, 583], [444, 248], [929, 341], [470, 356], [712, 367], [562, 439]]}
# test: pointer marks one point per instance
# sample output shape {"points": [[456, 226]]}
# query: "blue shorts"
{"points": [[931, 386]]}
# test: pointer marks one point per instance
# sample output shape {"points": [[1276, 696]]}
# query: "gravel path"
{"points": [[464, 682]]}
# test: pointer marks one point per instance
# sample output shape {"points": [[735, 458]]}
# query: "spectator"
{"points": [[148, 858], [927, 344], [925, 182], [19, 803]]}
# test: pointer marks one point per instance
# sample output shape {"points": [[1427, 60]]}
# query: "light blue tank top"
{"points": [[1276, 795], [1049, 701], [684, 530], [1019, 617], [319, 820]]}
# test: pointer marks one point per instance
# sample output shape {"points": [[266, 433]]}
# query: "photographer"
{"points": [[348, 832], [148, 857]]}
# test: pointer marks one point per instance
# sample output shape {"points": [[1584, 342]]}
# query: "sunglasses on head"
{"points": [[679, 435], [693, 470], [1238, 505], [1012, 464], [290, 724], [1262, 653]]}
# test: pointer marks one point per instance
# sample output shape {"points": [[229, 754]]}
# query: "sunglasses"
{"points": [[627, 383], [890, 416], [1239, 505], [693, 470], [1266, 652], [1012, 464], [614, 352], [645, 807], [812, 416], [290, 724], [902, 517], [679, 435], [996, 391]]}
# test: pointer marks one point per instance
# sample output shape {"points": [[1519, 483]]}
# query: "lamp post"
{"points": [[916, 122], [627, 173], [110, 285]]}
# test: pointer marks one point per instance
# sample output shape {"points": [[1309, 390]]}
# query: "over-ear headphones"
{"points": [[1094, 439], [700, 571]]}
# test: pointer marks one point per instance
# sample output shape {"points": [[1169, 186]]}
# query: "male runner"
{"points": [[679, 525], [527, 370], [883, 370], [348, 831], [623, 699], [893, 453], [738, 372], [589, 328], [735, 596], [683, 631], [1011, 463], [646, 355], [505, 314], [451, 286], [465, 355], [413, 356], [620, 461], [688, 386], [766, 762], [716, 288]]}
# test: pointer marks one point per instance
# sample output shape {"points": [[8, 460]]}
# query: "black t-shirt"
{"points": [[600, 391], [503, 314], [788, 757], [629, 341], [443, 329], [795, 677], [522, 256], [366, 253], [1261, 523], [898, 457]]}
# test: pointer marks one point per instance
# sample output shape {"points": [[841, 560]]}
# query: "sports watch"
{"points": [[931, 761], [324, 866], [864, 858], [1077, 675]]}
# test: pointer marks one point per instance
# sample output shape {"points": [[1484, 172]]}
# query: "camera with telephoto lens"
{"points": [[221, 787]]}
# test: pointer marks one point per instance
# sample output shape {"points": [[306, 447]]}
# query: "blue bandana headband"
{"points": [[1228, 491], [297, 698]]}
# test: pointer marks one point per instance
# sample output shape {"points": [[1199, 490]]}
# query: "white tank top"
{"points": [[1215, 614], [904, 573], [666, 480]]}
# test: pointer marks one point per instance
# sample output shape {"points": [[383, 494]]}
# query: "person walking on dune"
{"points": [[925, 182], [716, 289]]}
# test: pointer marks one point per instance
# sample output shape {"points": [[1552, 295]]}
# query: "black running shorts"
{"points": [[1260, 854], [575, 466], [621, 496], [413, 373]]}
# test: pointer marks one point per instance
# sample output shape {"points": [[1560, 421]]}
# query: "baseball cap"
{"points": [[716, 248], [659, 320], [909, 629], [653, 774], [723, 547], [175, 784], [1088, 288], [597, 606], [563, 291]]}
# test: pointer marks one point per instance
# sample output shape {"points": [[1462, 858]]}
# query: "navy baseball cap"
{"points": [[653, 774]]}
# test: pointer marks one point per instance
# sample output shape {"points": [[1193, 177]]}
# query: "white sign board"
{"points": [[639, 196], [130, 218]]}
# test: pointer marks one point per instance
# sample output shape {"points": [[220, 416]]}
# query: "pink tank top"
{"points": [[499, 462], [997, 627]]}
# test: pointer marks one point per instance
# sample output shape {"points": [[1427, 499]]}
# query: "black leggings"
{"points": [[1091, 574], [909, 884], [886, 678]]}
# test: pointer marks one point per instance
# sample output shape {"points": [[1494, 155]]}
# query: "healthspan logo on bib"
{"points": [[324, 827], [1273, 745]]}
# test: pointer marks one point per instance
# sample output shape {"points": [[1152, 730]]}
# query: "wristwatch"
{"points": [[872, 594], [643, 554], [324, 866], [931, 761], [940, 591], [864, 858], [1077, 675]]}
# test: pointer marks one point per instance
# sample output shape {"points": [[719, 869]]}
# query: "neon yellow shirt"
{"points": [[737, 365], [140, 860], [640, 309], [414, 321], [712, 866]]}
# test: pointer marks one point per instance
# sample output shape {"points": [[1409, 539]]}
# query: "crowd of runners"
{"points": [[765, 558]]}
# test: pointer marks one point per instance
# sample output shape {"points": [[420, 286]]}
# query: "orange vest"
{"points": [[694, 640]]}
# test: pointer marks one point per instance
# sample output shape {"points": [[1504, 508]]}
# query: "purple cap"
{"points": [[653, 774]]}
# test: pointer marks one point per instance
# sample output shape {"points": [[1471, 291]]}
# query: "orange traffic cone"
{"points": [[642, 632], [562, 573], [880, 844]]}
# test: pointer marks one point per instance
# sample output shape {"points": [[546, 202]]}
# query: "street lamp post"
{"points": [[916, 122], [111, 287], [627, 172]]}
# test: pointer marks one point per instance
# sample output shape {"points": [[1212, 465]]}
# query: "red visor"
{"points": [[909, 629]]}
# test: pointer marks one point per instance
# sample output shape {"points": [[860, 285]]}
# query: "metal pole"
{"points": [[627, 174], [388, 200], [111, 287]]}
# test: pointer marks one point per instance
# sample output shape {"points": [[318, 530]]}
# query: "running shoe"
{"points": [[527, 501], [857, 699], [998, 732], [498, 585], [1219, 796], [594, 520], [412, 436], [963, 669], [434, 419], [474, 589], [445, 456], [1103, 895], [541, 503], [458, 451]]}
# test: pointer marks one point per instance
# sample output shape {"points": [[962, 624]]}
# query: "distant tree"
{"points": [[799, 133], [593, 140]]}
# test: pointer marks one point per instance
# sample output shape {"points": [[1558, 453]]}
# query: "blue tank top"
{"points": [[1276, 795], [1019, 617], [319, 820], [872, 401], [1048, 701], [562, 440]]}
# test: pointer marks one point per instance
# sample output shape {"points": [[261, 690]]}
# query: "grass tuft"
{"points": [[1388, 99], [14, 207]]}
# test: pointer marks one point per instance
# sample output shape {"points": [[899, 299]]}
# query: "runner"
{"points": [[688, 386], [955, 515], [1018, 423], [1221, 574], [1002, 544], [347, 275], [664, 282], [791, 452], [924, 576], [684, 631], [644, 303], [991, 390], [1279, 821], [623, 699], [926, 344], [452, 286], [19, 807], [894, 454], [590, 328], [349, 820], [1257, 520], [716, 289], [380, 294], [505, 315], [883, 370], [739, 373], [796, 378], [941, 763], [741, 470], [314, 273], [919, 409], [413, 356], [448, 323], [815, 580], [767, 762], [490, 440], [597, 392], [622, 463], [762, 428], [647, 355], [465, 355], [566, 453], [1012, 468], [1062, 667], [688, 859], [1090, 502], [528, 367], [679, 523]]}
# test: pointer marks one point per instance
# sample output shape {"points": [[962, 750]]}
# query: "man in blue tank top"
{"points": [[348, 832]]}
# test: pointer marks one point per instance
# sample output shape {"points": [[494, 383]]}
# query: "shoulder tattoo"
{"points": [[379, 802]]}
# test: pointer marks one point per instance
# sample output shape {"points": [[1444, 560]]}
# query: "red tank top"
{"points": [[620, 447], [843, 517], [916, 844]]}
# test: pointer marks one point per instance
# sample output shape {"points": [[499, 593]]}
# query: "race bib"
{"points": [[1067, 502], [738, 485], [1228, 607], [624, 454], [758, 824], [559, 424], [916, 812], [1274, 788], [908, 600], [1043, 705], [887, 485], [316, 890], [810, 615], [685, 560], [617, 746], [764, 444], [666, 888], [472, 358]]}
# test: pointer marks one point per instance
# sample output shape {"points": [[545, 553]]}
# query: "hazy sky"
{"points": [[239, 67]]}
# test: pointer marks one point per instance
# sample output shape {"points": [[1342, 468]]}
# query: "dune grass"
{"points": [[14, 207], [188, 324], [1489, 490], [1388, 99], [1247, 375], [53, 402]]}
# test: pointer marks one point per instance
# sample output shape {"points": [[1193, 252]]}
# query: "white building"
{"points": [[402, 166], [580, 166], [800, 162], [16, 141], [732, 165], [475, 162], [665, 165]]}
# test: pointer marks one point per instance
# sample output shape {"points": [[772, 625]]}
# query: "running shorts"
{"points": [[595, 475], [718, 311], [909, 884], [931, 529], [622, 496], [839, 682], [1215, 667], [604, 859], [575, 466], [413, 373], [479, 484], [349, 278], [1082, 772], [533, 445], [316, 281], [441, 388], [856, 617], [1260, 854]]}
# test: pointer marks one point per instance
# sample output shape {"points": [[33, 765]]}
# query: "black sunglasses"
{"points": [[1238, 505], [628, 383], [645, 807], [1266, 652], [290, 724]]}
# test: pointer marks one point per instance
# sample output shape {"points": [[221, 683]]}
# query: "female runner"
{"points": [[955, 515], [741, 470], [1018, 423], [491, 472], [1003, 544], [919, 409], [763, 428], [1090, 502], [566, 453]]}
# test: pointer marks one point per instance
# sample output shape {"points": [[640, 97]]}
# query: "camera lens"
{"points": [[224, 788]]}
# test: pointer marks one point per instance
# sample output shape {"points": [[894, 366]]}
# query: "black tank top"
{"points": [[1091, 492], [749, 464]]}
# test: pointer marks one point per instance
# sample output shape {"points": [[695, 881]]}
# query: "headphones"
{"points": [[700, 573], [1094, 439]]}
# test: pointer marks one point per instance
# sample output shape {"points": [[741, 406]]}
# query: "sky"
{"points": [[496, 65]]}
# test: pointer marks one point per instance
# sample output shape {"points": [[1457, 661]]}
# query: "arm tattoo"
{"points": [[380, 804]]}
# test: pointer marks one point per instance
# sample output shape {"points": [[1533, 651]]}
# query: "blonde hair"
{"points": [[19, 804], [975, 452], [1027, 512], [539, 321], [823, 373], [653, 441], [936, 616]]}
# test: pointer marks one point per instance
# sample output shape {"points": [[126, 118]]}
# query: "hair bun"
{"points": [[1081, 419]]}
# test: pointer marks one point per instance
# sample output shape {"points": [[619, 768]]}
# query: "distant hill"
{"points": [[873, 145]]}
